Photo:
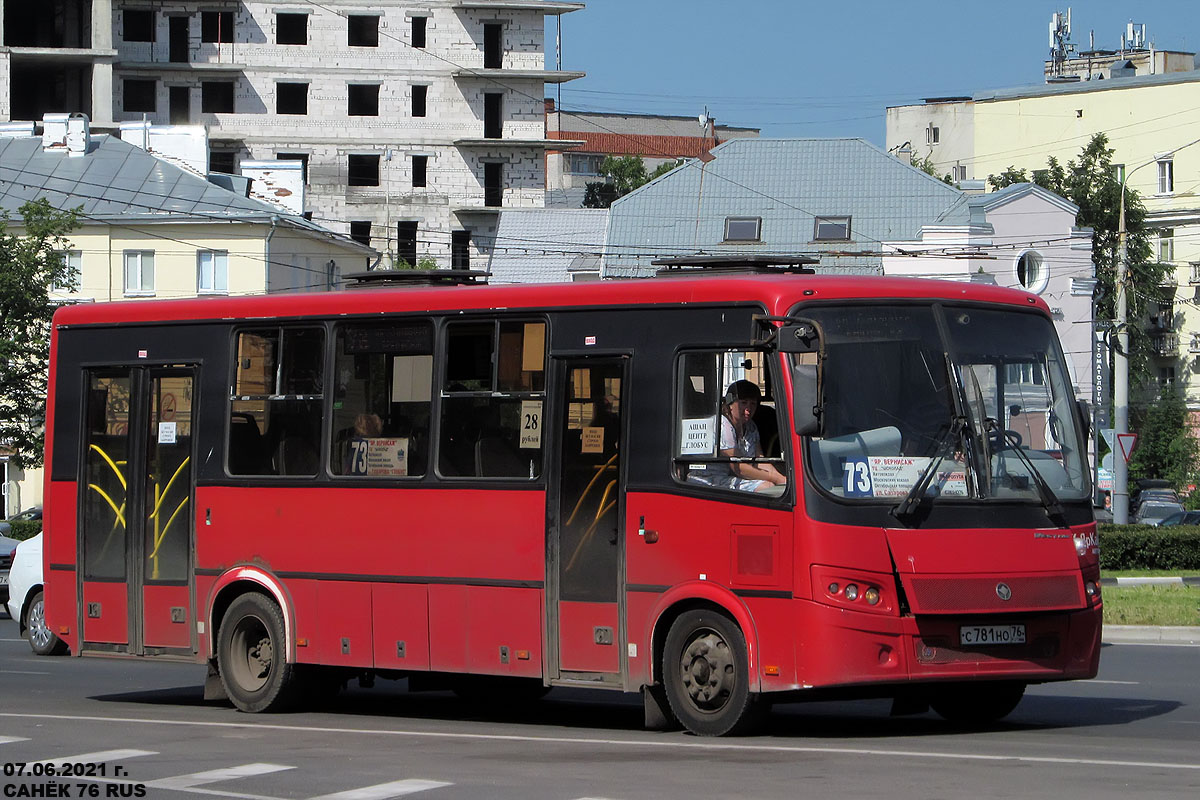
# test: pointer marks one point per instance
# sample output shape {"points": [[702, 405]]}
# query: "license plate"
{"points": [[4, 579], [980, 635]]}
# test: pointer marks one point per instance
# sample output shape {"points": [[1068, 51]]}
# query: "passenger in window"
{"points": [[740, 439]]}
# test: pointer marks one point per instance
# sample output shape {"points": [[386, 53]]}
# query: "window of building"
{"points": [[959, 173], [743, 229], [419, 25], [493, 184], [223, 161], [362, 99], [216, 27], [291, 28], [1166, 377], [276, 401], [360, 231], [460, 249], [139, 272], [493, 397], [381, 420], [493, 115], [363, 170], [420, 167], [493, 45], [420, 93], [584, 163], [291, 98], [301, 157], [933, 134], [715, 390], [831, 229], [212, 271], [406, 242], [1166, 176], [137, 25], [1032, 273], [1166, 245], [68, 282], [216, 97], [137, 95], [362, 30]]}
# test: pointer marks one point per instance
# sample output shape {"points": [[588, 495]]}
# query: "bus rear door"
{"points": [[587, 503], [136, 516]]}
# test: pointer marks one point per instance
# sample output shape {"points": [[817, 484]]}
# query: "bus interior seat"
{"points": [[494, 457], [295, 456], [247, 448], [828, 455]]}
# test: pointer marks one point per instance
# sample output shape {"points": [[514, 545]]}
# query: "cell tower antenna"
{"points": [[1060, 42]]}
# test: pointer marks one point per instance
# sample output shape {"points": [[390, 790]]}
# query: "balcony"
{"points": [[1195, 273], [1194, 344], [1165, 344]]}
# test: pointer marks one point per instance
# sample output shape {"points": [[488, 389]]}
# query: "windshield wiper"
{"points": [[1048, 497], [952, 437]]}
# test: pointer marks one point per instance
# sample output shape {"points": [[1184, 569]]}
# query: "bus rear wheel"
{"points": [[706, 674], [976, 703], [252, 656]]}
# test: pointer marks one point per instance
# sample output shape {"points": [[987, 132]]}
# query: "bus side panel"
{"points": [[504, 636], [579, 649], [400, 614], [59, 546], [447, 628], [777, 634], [167, 620], [639, 628], [106, 612], [344, 624]]}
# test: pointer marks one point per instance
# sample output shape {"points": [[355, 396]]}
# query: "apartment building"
{"points": [[414, 122]]}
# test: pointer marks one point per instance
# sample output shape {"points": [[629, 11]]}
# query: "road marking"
{"points": [[1157, 644], [214, 775], [383, 791], [23, 672], [640, 743], [102, 755], [1116, 683], [11, 739]]}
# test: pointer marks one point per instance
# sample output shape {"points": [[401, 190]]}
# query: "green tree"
{"points": [[30, 263], [1090, 182], [622, 175], [926, 165], [1164, 449]]}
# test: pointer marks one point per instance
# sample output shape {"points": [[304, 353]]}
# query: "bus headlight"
{"points": [[851, 591], [871, 595]]}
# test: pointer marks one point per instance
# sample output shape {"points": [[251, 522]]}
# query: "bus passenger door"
{"points": [[136, 515], [587, 502]]}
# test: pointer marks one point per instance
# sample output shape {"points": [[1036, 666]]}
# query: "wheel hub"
{"points": [[708, 671]]}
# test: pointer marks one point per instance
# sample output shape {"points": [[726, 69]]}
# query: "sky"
{"points": [[796, 68]]}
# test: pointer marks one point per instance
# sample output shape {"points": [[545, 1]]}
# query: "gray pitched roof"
{"points": [[787, 183], [116, 180], [547, 245]]}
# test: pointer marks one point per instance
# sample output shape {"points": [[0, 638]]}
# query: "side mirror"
{"points": [[806, 399]]}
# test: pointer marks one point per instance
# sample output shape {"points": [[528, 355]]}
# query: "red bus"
{"points": [[718, 491]]}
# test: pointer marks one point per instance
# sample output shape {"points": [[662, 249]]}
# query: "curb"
{"points": [[1150, 634], [1186, 580]]}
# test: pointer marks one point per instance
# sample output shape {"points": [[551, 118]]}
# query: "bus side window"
{"points": [[383, 374], [494, 393], [276, 402]]}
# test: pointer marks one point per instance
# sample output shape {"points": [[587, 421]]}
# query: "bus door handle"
{"points": [[650, 536]]}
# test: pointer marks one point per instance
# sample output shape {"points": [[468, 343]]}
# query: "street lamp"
{"points": [[1120, 490]]}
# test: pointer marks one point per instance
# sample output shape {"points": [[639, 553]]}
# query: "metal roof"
{"points": [[1095, 85], [547, 245], [787, 183]]}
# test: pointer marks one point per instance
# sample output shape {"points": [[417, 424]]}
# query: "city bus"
{"points": [[722, 491]]}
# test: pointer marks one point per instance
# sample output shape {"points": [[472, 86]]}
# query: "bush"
{"points": [[1147, 547], [25, 529]]}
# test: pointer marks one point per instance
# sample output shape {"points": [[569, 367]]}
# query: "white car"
{"points": [[25, 599]]}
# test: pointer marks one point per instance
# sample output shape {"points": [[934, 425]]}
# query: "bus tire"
{"points": [[706, 674], [41, 638], [976, 703], [252, 656]]}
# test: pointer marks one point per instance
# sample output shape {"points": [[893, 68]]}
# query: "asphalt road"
{"points": [[142, 730]]}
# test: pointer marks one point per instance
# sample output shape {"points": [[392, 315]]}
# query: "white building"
{"points": [[414, 122]]}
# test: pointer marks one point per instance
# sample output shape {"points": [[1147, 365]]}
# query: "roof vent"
{"points": [[735, 264], [408, 278], [1122, 68]]}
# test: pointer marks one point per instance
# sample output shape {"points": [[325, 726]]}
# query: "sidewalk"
{"points": [[1150, 634], [1187, 580]]}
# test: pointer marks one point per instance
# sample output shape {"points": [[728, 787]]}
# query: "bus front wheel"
{"points": [[976, 703], [252, 656], [706, 674]]}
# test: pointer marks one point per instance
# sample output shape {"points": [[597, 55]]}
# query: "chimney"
{"points": [[78, 134], [54, 131]]}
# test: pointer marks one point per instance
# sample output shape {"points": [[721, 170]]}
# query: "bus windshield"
{"points": [[962, 402]]}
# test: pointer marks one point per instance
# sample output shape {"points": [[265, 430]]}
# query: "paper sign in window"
{"points": [[593, 440], [698, 437], [534, 350], [166, 433], [412, 379], [531, 424], [379, 457]]}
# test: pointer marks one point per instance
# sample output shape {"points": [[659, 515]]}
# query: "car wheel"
{"points": [[41, 638], [252, 656]]}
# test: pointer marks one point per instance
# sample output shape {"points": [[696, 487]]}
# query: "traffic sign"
{"points": [[1127, 441]]}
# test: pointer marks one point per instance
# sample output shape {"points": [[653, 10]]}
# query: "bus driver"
{"points": [[740, 439]]}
